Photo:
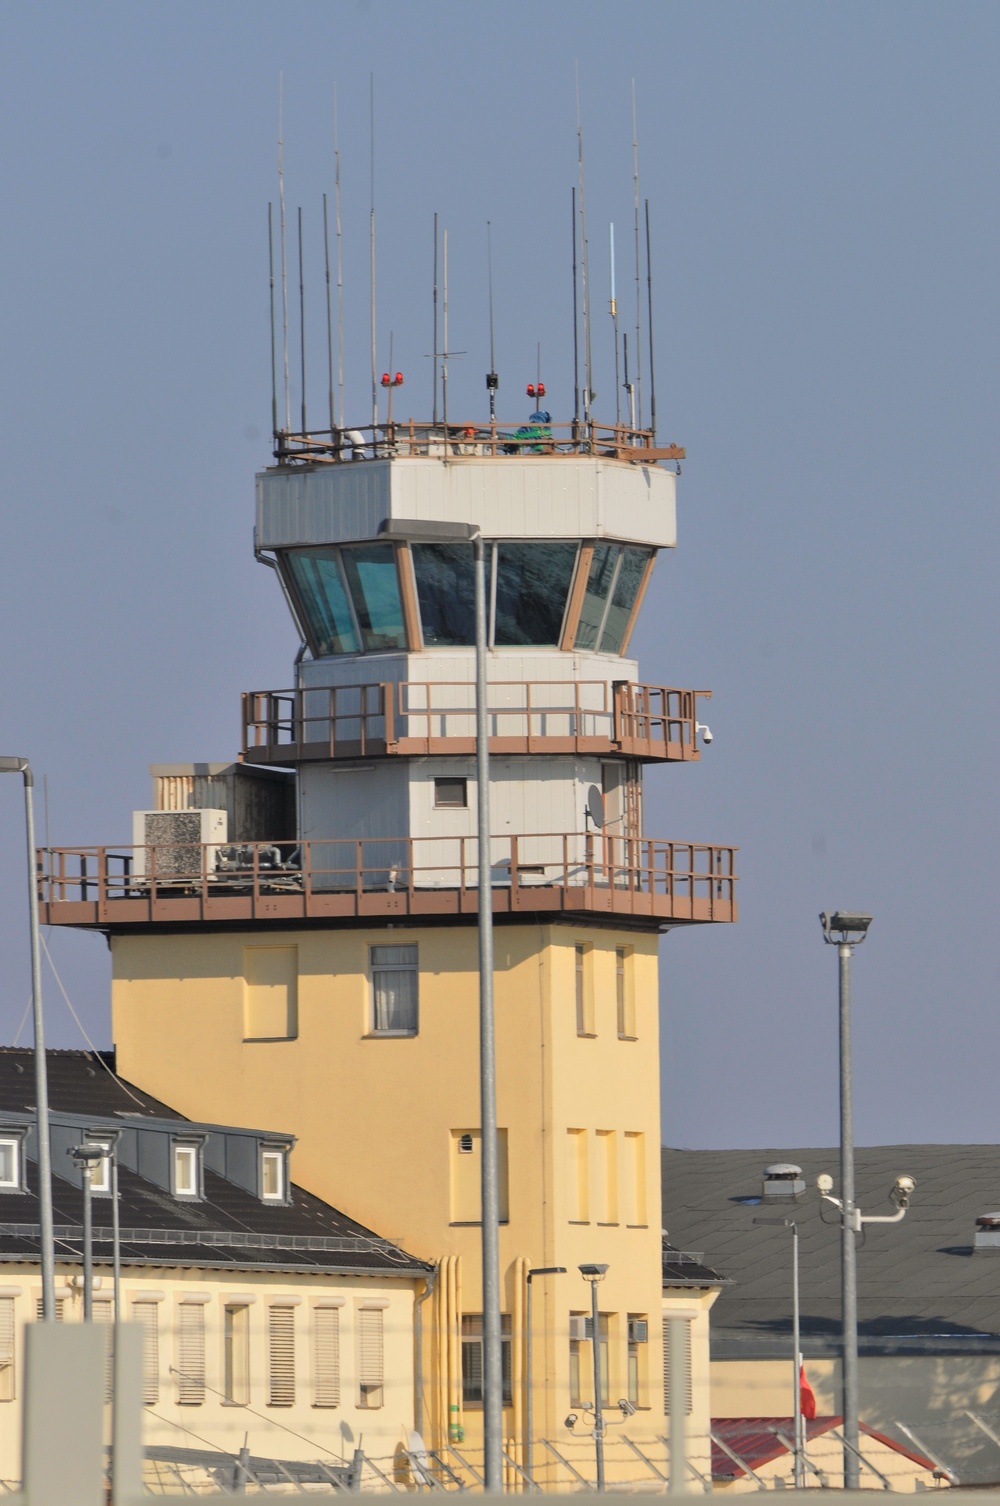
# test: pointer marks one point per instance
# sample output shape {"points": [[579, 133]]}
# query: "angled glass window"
{"points": [[446, 592], [370, 570], [531, 587], [322, 597], [630, 573], [595, 600]]}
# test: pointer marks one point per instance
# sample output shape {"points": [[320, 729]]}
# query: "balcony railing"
{"points": [[408, 439], [283, 882], [421, 717]]}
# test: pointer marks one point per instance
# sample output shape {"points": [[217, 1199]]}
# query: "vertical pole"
{"points": [[595, 1345], [576, 332], [677, 1338], [649, 302], [848, 1247], [529, 1393], [302, 328], [492, 1365], [88, 1247], [796, 1361], [41, 1068], [274, 369], [116, 1236]]}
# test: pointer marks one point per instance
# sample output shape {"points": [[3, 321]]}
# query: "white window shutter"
{"points": [[326, 1357], [371, 1365], [281, 1356], [147, 1315], [6, 1348], [191, 1354]]}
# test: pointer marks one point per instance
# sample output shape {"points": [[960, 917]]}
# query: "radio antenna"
{"points": [[340, 268], [649, 289], [274, 371], [588, 392], [444, 333], [434, 348], [371, 122], [492, 380], [629, 386], [302, 328], [614, 319], [638, 269], [576, 330], [284, 263], [329, 318]]}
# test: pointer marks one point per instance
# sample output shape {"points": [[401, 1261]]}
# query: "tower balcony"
{"points": [[584, 876], [424, 718]]}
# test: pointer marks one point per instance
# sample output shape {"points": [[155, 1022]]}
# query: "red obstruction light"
{"points": [[531, 389], [540, 390], [399, 379], [385, 379]]}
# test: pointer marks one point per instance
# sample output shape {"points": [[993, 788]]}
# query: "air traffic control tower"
{"points": [[294, 934]]}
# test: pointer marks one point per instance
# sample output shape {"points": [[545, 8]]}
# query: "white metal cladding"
{"points": [[517, 498], [365, 801], [458, 666]]}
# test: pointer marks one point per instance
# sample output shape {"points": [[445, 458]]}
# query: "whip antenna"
{"points": [[587, 369], [340, 270], [274, 371], [329, 318], [492, 380], [649, 288], [614, 318], [302, 329], [576, 330], [371, 113], [434, 347], [284, 263], [444, 332], [638, 269]]}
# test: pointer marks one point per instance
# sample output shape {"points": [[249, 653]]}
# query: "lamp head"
{"points": [[593, 1272], [845, 927], [13, 765], [824, 1182]]}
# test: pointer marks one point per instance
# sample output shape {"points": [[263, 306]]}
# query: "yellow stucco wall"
{"points": [[376, 1117]]}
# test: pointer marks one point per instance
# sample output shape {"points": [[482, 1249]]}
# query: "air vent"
{"points": [[177, 844], [988, 1231], [782, 1181]]}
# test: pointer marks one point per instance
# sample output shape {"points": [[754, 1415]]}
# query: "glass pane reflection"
{"points": [[630, 574], [446, 592], [371, 576], [602, 573], [532, 583], [323, 601]]}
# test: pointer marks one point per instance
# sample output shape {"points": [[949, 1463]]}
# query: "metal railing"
{"points": [[410, 439], [578, 872], [421, 717]]}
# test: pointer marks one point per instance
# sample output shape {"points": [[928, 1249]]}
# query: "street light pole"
{"points": [[596, 1274], [797, 1431], [529, 1374], [21, 766], [86, 1157]]}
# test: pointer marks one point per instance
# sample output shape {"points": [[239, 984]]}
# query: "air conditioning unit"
{"points": [[579, 1326], [177, 845], [638, 1331]]}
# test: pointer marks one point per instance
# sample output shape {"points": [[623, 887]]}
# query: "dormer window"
{"points": [[10, 1164], [100, 1172], [273, 1175], [187, 1170]]}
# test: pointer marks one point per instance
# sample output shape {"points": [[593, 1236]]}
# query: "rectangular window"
{"points": [[682, 1330], [577, 1347], [451, 794], [270, 993], [272, 1175], [100, 1174], [638, 1335], [6, 1348], [187, 1171], [581, 1356], [146, 1314], [583, 989], [466, 1176], [472, 1357], [394, 990], [606, 1177], [624, 994], [236, 1353], [371, 1366], [10, 1165], [577, 1177], [60, 1309], [326, 1357], [634, 1179], [190, 1354], [281, 1357]]}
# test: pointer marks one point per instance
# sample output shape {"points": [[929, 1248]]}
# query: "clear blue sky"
{"points": [[824, 191]]}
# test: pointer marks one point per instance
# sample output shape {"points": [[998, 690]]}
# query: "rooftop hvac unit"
{"points": [[175, 846], [638, 1331]]}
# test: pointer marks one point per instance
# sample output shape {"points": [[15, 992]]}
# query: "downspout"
{"points": [[418, 1409]]}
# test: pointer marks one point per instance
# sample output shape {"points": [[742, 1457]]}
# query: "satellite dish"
{"points": [[595, 806]]}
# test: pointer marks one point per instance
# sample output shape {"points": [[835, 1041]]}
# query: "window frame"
{"points": [[625, 992], [472, 1343], [451, 805], [376, 968], [16, 1144], [371, 1345], [236, 1374], [279, 1154], [179, 1148], [102, 1168]]}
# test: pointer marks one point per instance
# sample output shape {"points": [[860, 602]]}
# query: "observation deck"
{"points": [[542, 876], [446, 439], [425, 717]]}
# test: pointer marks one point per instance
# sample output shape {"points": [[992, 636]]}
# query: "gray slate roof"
{"points": [[921, 1289]]}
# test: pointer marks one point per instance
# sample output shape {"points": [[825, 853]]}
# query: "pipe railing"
{"points": [[413, 439], [415, 717]]}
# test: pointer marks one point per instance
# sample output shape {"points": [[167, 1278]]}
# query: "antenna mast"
{"points": [[444, 332], [434, 347], [576, 331], [284, 264], [329, 318], [274, 372], [638, 269], [587, 369], [371, 113], [492, 380], [614, 317], [302, 328], [340, 268], [649, 287]]}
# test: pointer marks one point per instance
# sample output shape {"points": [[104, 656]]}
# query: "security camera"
{"points": [[572, 1420], [627, 1409], [901, 1190], [824, 1183], [706, 732]]}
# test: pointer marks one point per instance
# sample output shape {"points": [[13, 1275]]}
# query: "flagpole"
{"points": [[797, 1389]]}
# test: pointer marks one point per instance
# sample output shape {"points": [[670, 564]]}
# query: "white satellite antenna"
{"points": [[595, 807]]}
